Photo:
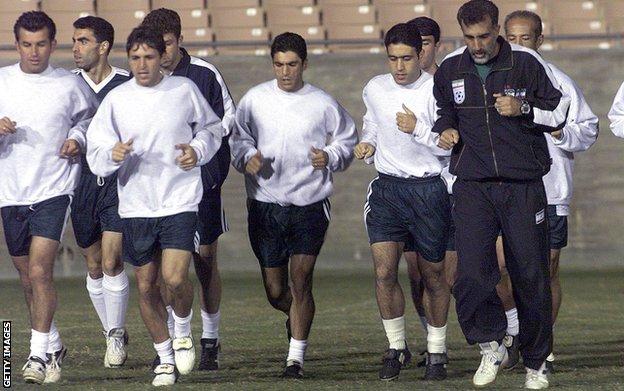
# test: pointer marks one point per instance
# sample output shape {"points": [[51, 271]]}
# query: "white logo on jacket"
{"points": [[539, 217], [459, 92]]}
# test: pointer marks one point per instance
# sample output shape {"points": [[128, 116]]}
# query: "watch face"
{"points": [[525, 108]]}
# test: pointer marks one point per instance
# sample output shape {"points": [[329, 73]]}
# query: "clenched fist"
{"points": [[364, 151], [254, 165], [448, 139]]}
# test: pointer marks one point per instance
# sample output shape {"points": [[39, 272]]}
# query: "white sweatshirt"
{"points": [[284, 126], [616, 114], [150, 183], [579, 133], [397, 153], [49, 108]]}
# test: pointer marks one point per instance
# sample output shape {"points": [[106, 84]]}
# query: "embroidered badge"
{"points": [[459, 91]]}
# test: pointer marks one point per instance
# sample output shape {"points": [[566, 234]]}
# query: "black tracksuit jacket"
{"points": [[493, 147]]}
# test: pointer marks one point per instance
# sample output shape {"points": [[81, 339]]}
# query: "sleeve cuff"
{"points": [[200, 156], [564, 138], [79, 137], [332, 159], [248, 155]]}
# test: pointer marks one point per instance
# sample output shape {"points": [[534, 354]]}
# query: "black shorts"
{"points": [[212, 221], [402, 209], [557, 228], [95, 208], [46, 219], [450, 244], [278, 232], [144, 237]]}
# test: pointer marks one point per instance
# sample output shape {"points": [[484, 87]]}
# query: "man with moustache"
{"points": [[495, 101]]}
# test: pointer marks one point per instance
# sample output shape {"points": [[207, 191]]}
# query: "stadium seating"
{"points": [[207, 21], [18, 6]]}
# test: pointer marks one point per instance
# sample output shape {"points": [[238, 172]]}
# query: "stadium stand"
{"points": [[245, 26]]}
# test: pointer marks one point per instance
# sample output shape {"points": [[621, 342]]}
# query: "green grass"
{"points": [[346, 344]]}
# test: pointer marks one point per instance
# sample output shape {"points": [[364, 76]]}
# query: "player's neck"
{"points": [[432, 69], [169, 70], [100, 72]]}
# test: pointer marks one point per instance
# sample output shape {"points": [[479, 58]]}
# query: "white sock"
{"points": [[296, 350], [395, 331], [436, 339], [54, 340], [94, 286], [38, 344], [170, 321], [423, 322], [513, 325], [210, 324], [182, 325], [165, 351], [116, 292]]}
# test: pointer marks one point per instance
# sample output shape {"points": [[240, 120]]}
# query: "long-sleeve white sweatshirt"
{"points": [[579, 133], [150, 183], [49, 108], [284, 126], [616, 114], [397, 153]]}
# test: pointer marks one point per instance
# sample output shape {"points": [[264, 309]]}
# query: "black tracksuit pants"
{"points": [[518, 209]]}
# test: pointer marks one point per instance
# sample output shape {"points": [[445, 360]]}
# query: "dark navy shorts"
{"points": [[212, 221], [95, 208], [46, 219], [144, 237], [450, 244], [278, 232], [405, 209], [557, 228]]}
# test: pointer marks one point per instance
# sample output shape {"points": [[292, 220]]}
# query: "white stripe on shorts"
{"points": [[326, 209], [67, 214]]}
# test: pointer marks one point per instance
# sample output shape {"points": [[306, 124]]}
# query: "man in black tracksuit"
{"points": [[495, 101]]}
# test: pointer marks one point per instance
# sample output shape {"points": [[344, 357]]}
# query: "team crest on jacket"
{"points": [[459, 92]]}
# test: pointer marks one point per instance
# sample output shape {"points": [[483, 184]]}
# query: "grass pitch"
{"points": [[346, 344]]}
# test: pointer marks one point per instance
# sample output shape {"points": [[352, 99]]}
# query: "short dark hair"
{"points": [[290, 42], [34, 21], [476, 11], [404, 33], [532, 16], [164, 21], [144, 35], [102, 29], [427, 26]]}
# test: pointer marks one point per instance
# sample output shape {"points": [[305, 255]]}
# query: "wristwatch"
{"points": [[525, 108]]}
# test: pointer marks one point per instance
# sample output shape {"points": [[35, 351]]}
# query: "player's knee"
{"points": [[301, 289], [111, 266], [435, 281], [40, 275], [175, 282], [275, 294], [385, 277], [147, 290]]}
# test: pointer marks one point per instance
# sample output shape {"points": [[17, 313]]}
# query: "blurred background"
{"points": [[583, 38]]}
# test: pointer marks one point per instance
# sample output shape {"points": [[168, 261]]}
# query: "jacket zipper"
{"points": [[487, 120]]}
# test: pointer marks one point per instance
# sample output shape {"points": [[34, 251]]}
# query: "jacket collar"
{"points": [[503, 61], [184, 64]]}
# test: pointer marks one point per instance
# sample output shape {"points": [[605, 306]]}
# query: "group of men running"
{"points": [[139, 158]]}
